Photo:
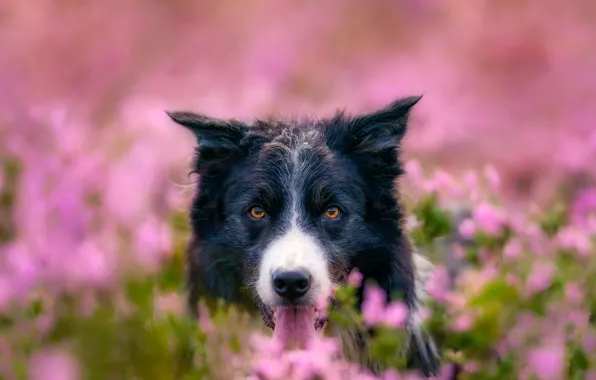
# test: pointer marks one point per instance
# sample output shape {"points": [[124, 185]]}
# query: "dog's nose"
{"points": [[291, 284]]}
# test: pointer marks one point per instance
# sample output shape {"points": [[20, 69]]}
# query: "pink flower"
{"points": [[489, 218], [307, 364], [92, 265], [511, 279], [44, 323], [443, 181], [414, 172], [205, 320], [589, 342], [271, 368], [548, 362], [512, 249], [23, 267], [267, 346], [126, 197], [540, 277], [326, 346], [573, 293], [584, 205], [539, 242], [471, 183], [365, 376], [53, 365], [6, 292], [518, 223], [437, 285], [591, 224], [573, 239], [391, 374], [463, 322], [578, 318], [373, 306], [492, 177], [355, 278], [153, 240], [396, 314], [458, 251], [322, 303], [467, 228]]}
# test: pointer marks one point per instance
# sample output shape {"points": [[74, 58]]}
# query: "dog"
{"points": [[285, 209]]}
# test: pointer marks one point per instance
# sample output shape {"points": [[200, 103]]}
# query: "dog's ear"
{"points": [[383, 129], [219, 140], [373, 139]]}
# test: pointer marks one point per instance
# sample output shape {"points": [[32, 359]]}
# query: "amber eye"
{"points": [[332, 212], [257, 212]]}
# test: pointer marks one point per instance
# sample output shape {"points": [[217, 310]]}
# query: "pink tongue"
{"points": [[294, 326]]}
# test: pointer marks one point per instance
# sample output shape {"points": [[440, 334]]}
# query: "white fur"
{"points": [[423, 271], [293, 251]]}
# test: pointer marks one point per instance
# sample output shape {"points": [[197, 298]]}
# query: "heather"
{"points": [[499, 182]]}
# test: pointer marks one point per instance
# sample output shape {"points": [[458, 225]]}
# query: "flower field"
{"points": [[500, 183]]}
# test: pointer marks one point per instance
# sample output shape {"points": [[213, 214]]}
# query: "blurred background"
{"points": [[93, 175], [506, 83]]}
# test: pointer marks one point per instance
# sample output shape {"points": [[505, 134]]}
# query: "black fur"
{"points": [[352, 162]]}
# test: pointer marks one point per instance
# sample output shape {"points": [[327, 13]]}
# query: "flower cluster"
{"points": [[518, 303], [94, 194]]}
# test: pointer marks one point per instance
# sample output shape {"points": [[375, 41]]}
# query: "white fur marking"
{"points": [[295, 250]]}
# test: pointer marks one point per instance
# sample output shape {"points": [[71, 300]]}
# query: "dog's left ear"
{"points": [[382, 129], [219, 140], [373, 139]]}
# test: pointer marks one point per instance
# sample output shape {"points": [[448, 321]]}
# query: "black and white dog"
{"points": [[285, 209]]}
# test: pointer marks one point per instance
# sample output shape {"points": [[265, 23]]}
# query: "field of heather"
{"points": [[500, 181]]}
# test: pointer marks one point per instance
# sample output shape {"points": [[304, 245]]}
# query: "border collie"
{"points": [[285, 209]]}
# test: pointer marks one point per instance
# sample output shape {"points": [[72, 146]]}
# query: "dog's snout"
{"points": [[291, 284]]}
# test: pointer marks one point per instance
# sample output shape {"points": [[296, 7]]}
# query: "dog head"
{"points": [[285, 209]]}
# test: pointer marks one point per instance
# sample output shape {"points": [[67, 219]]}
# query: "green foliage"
{"points": [[10, 171], [126, 332]]}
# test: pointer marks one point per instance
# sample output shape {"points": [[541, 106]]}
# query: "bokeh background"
{"points": [[506, 83], [93, 175]]}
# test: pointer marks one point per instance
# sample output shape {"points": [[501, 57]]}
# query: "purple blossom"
{"points": [[355, 278], [548, 362], [512, 249], [153, 240], [584, 205], [540, 277], [373, 306], [463, 322], [396, 314], [438, 285], [6, 292], [574, 239], [489, 218], [53, 365], [492, 177], [467, 228], [573, 293]]}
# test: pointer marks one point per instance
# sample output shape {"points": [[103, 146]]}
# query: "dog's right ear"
{"points": [[219, 140]]}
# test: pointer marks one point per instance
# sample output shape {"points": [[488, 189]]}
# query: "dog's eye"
{"points": [[257, 212], [332, 212]]}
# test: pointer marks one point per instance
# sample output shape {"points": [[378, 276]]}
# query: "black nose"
{"points": [[292, 284]]}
